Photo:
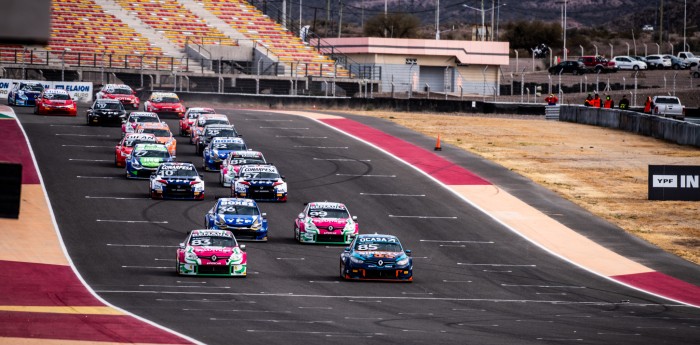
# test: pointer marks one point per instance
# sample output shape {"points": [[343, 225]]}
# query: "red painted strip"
{"points": [[29, 284], [15, 150], [74, 327], [427, 161], [663, 285]]}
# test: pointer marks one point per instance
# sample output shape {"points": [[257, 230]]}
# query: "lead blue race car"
{"points": [[241, 216], [376, 257]]}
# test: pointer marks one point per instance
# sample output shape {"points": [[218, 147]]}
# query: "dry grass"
{"points": [[602, 170]]}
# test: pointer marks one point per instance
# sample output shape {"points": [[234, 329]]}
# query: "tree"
{"points": [[396, 25], [527, 35]]}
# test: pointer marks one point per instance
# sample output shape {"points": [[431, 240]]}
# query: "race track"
{"points": [[475, 280]]}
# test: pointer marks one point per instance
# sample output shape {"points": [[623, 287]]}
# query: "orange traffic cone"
{"points": [[438, 147]]}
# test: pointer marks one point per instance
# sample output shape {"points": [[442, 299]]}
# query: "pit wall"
{"points": [[679, 132]]}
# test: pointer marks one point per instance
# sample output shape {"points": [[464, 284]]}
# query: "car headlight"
{"points": [[356, 260], [236, 258], [257, 224], [135, 163], [349, 226], [23, 96], [190, 256], [402, 262], [309, 226]]}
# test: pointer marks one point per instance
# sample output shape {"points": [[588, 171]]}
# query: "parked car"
{"points": [[695, 71], [689, 58], [575, 67], [640, 58], [627, 62], [657, 61], [648, 28], [677, 63], [598, 64]]}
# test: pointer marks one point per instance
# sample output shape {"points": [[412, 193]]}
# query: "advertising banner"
{"points": [[80, 91], [674, 182]]}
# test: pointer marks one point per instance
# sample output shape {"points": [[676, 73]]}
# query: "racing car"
{"points": [[135, 118], [213, 131], [376, 257], [325, 222], [55, 101], [260, 182], [218, 149], [24, 93], [162, 132], [190, 117], [241, 216], [211, 253], [145, 159], [176, 181], [203, 120], [232, 164], [121, 92], [164, 103], [105, 111], [126, 145]]}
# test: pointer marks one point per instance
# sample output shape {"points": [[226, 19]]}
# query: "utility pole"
{"points": [[483, 22], [437, 21], [661, 23], [340, 18], [493, 12]]}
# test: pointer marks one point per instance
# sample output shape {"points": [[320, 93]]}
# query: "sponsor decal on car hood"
{"points": [[150, 162]]}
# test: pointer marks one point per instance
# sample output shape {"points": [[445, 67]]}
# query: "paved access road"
{"points": [[475, 281]]}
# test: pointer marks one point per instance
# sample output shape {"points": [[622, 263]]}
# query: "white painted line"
{"points": [[270, 120], [494, 271], [551, 293], [321, 147], [494, 265], [132, 221], [365, 175], [342, 160], [98, 177], [453, 245], [547, 286], [363, 318], [532, 320], [90, 160], [653, 327], [251, 311], [323, 282], [290, 258], [327, 334], [427, 314], [560, 339], [90, 146], [416, 293], [115, 198], [139, 245], [275, 321], [440, 241], [378, 299], [380, 194], [204, 300], [456, 281], [327, 308], [291, 128], [299, 137], [183, 282], [419, 257], [186, 286], [421, 217], [475, 325], [150, 267], [467, 309], [59, 125], [601, 333], [575, 316], [82, 135]]}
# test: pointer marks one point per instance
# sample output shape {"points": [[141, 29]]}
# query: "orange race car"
{"points": [[162, 133]]}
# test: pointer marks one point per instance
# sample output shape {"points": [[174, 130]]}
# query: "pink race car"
{"points": [[211, 253], [190, 117], [325, 222]]}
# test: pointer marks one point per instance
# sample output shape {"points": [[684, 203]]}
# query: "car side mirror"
{"points": [[300, 216], [283, 177], [201, 175], [263, 214], [182, 245], [347, 249], [242, 246], [354, 218], [408, 252]]}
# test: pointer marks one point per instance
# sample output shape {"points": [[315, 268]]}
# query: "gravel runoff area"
{"points": [[578, 162]]}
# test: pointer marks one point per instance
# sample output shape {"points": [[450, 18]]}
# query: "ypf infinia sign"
{"points": [[674, 182]]}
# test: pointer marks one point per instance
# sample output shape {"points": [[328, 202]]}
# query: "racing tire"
{"points": [[36, 110], [575, 72], [177, 266], [342, 270], [676, 67], [297, 235], [696, 75], [635, 67]]}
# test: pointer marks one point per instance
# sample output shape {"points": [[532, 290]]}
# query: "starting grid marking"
{"points": [[132, 221]]}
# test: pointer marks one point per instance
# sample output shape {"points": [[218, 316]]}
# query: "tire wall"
{"points": [[680, 132]]}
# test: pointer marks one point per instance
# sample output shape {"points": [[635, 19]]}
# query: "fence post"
{"points": [[634, 101], [522, 86], [674, 83]]}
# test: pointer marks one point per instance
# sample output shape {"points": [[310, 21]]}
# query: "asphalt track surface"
{"points": [[475, 281]]}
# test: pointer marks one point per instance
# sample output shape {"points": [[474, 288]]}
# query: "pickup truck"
{"points": [[695, 70], [598, 64], [688, 58], [667, 106]]}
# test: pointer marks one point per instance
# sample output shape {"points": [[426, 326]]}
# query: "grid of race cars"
{"points": [[148, 150]]}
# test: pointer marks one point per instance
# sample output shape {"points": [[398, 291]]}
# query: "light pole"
{"points": [[437, 21], [483, 17], [685, 7], [63, 61]]}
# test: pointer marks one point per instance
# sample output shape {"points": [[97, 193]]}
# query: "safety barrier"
{"points": [[680, 132]]}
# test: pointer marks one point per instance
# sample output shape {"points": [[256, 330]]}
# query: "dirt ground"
{"points": [[579, 162]]}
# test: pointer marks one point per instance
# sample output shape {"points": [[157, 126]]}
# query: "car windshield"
{"points": [[212, 241], [109, 106], [134, 141], [228, 146], [328, 213], [221, 133], [242, 210], [122, 91], [215, 122], [142, 119], [375, 246], [178, 170], [667, 100], [166, 100], [193, 115], [57, 96], [259, 175], [152, 153], [32, 87], [240, 161], [157, 132]]}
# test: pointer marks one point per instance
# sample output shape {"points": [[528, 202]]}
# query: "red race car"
{"points": [[165, 103], [55, 101], [126, 145], [190, 117], [121, 92]]}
